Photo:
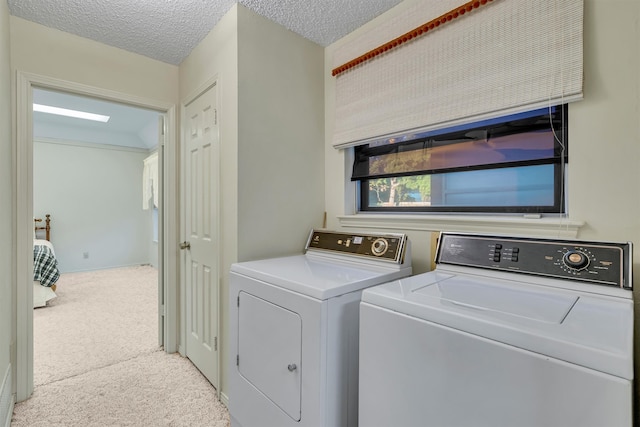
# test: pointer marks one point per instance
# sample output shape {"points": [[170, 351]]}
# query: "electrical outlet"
{"points": [[85, 255]]}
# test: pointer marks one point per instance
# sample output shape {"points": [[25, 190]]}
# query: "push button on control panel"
{"points": [[496, 252]]}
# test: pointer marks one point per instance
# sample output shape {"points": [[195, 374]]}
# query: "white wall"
{"points": [[94, 196], [271, 137], [604, 137], [7, 277], [76, 133]]}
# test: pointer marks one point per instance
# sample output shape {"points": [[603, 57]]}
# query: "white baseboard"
{"points": [[6, 399], [224, 399]]}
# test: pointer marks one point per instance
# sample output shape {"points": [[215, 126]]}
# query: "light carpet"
{"points": [[97, 361]]}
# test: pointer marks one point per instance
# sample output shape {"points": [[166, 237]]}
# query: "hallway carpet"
{"points": [[97, 360]]}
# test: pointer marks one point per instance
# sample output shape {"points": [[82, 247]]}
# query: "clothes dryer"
{"points": [[506, 332], [294, 329]]}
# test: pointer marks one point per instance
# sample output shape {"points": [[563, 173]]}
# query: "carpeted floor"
{"points": [[97, 360]]}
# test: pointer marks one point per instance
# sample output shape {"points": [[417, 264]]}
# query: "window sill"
{"points": [[505, 225]]}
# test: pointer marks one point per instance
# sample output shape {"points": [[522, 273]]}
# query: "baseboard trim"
{"points": [[224, 399], [6, 399]]}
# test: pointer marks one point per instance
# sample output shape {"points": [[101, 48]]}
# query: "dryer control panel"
{"points": [[384, 247], [595, 262]]}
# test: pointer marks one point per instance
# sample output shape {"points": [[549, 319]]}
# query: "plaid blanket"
{"points": [[45, 266]]}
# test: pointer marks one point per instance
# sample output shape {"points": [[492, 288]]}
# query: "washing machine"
{"points": [[294, 329], [505, 331]]}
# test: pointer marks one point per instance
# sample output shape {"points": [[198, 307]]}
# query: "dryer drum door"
{"points": [[270, 351]]}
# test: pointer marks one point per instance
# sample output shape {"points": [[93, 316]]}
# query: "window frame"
{"points": [[559, 162]]}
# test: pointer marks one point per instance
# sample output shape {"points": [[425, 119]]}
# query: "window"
{"points": [[511, 164]]}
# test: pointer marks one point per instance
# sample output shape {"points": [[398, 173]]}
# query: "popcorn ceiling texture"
{"points": [[168, 30]]}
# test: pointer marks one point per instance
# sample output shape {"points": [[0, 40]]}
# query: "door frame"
{"points": [[22, 353], [214, 81]]}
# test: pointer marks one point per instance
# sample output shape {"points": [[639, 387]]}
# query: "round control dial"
{"points": [[576, 260], [379, 246]]}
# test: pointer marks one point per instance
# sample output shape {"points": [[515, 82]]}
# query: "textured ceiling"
{"points": [[168, 30]]}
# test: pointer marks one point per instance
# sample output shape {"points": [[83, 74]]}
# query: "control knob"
{"points": [[379, 246], [576, 260]]}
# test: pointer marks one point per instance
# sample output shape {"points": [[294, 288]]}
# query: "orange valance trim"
{"points": [[415, 33]]}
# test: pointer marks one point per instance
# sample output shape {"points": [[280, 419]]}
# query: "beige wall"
{"points": [[280, 138], [216, 57], [6, 205], [44, 51], [271, 136], [604, 136]]}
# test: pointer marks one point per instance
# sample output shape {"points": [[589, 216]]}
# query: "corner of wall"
{"points": [[6, 399]]}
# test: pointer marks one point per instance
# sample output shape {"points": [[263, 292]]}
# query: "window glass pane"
{"points": [[523, 186], [513, 164], [505, 187], [477, 150], [411, 191], [517, 140]]}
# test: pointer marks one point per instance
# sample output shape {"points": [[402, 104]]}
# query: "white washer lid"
{"points": [[317, 277], [586, 329]]}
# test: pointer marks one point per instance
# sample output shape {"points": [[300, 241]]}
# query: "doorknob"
{"points": [[185, 245]]}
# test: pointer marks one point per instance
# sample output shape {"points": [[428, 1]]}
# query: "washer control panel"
{"points": [[596, 262], [387, 247]]}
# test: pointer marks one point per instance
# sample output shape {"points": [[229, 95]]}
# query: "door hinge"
{"points": [[215, 116], [237, 360], [162, 312], [238, 301], [215, 344]]}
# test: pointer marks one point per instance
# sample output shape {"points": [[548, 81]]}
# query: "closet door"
{"points": [[200, 246]]}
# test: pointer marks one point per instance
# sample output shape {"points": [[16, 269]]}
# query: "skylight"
{"points": [[70, 113]]}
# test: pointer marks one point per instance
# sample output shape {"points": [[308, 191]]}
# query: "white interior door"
{"points": [[201, 247]]}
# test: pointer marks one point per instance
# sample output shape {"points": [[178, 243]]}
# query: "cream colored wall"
{"points": [[52, 53], [604, 128], [6, 202], [271, 138], [604, 134], [280, 138], [217, 57]]}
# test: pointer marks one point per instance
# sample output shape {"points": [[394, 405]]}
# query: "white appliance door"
{"points": [[270, 351]]}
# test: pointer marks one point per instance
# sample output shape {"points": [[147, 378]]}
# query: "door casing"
{"points": [[22, 352]]}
